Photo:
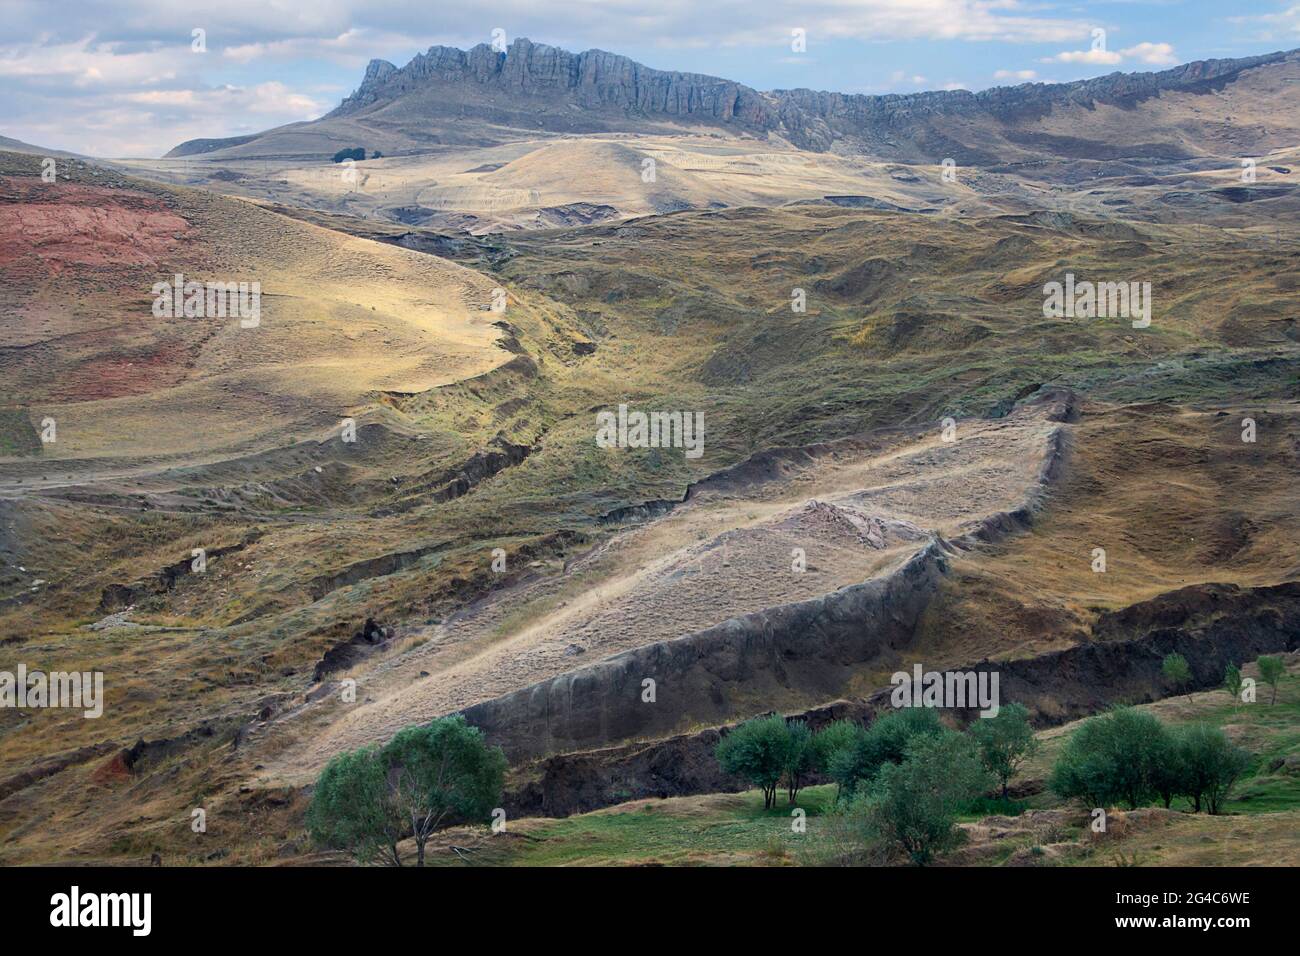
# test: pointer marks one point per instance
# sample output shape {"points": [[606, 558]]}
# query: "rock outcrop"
{"points": [[1211, 625], [806, 651], [594, 80], [811, 647]]}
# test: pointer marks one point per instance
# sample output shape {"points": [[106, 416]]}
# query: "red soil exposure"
{"points": [[55, 226], [113, 770], [136, 373]]}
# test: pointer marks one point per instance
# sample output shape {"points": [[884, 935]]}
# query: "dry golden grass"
{"points": [[910, 319]]}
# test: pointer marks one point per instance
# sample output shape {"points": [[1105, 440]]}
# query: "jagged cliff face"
{"points": [[612, 86], [450, 98], [593, 80]]}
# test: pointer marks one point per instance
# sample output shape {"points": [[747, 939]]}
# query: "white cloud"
{"points": [[1275, 27], [1156, 54], [1151, 54], [1022, 75], [1092, 57], [87, 63], [351, 48], [254, 27], [268, 98], [105, 100], [899, 77]]}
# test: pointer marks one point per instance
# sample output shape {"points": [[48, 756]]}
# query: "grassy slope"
{"points": [[688, 311]]}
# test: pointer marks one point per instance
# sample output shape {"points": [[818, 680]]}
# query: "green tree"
{"points": [[1174, 668], [840, 736], [1165, 766], [1270, 672], [884, 741], [350, 809], [1210, 765], [758, 750], [800, 757], [355, 153], [442, 771], [1005, 742], [1111, 759], [913, 805], [1233, 682], [832, 738], [367, 801]]}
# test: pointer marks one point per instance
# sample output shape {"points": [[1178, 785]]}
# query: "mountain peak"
{"points": [[609, 89], [594, 79]]}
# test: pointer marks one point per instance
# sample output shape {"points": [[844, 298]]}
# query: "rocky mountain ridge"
{"points": [[606, 82]]}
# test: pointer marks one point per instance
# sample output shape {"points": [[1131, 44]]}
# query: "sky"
{"points": [[123, 78]]}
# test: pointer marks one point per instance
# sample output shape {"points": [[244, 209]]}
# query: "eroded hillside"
{"points": [[825, 417]]}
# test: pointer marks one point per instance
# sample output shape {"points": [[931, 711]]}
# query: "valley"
{"points": [[402, 512]]}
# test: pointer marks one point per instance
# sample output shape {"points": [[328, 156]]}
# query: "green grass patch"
{"points": [[712, 830]]}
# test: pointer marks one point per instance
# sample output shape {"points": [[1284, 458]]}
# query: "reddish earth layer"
{"points": [[109, 375], [52, 226]]}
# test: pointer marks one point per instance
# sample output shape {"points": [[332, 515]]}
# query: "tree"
{"points": [[1111, 759], [913, 805], [441, 771], [800, 757], [1233, 682], [757, 750], [350, 809], [1004, 742], [1175, 669], [885, 741], [847, 764], [833, 738], [367, 801], [355, 153], [1210, 765], [1168, 773], [1270, 672], [891, 734]]}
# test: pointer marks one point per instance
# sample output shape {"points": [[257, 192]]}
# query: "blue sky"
{"points": [[121, 78]]}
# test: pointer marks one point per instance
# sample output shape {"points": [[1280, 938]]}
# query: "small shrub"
{"points": [[1175, 670], [1233, 683], [1270, 672], [913, 805]]}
